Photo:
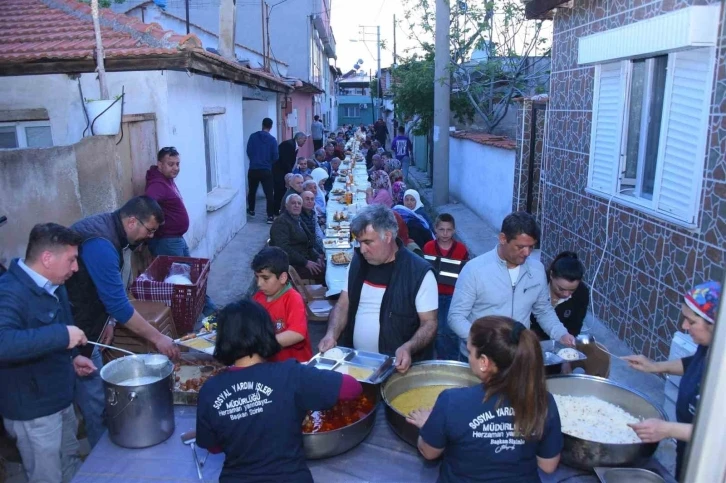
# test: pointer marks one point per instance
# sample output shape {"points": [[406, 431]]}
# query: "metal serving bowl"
{"points": [[332, 443], [426, 373], [585, 454]]}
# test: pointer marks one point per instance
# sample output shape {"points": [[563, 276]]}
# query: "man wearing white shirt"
{"points": [[390, 301]]}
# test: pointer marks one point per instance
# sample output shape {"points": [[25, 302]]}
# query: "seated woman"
{"points": [[569, 295], [320, 176], [699, 315], [418, 229], [380, 191], [262, 441], [412, 201], [290, 233], [512, 399]]}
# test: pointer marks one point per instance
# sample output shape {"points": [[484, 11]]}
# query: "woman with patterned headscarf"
{"points": [[391, 164], [699, 309], [380, 190]]}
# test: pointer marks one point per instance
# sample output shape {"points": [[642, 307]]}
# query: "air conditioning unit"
{"points": [[363, 106]]}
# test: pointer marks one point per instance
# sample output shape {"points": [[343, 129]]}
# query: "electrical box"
{"points": [[292, 119]]}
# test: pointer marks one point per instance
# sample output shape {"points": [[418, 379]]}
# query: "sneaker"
{"points": [[270, 219], [250, 212]]}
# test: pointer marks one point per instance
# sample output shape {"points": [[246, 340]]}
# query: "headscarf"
{"points": [[396, 175], [408, 214], [380, 180], [703, 299], [382, 197], [319, 174], [398, 189], [392, 164], [415, 194]]}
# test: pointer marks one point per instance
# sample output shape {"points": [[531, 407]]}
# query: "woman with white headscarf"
{"points": [[412, 201], [320, 176]]}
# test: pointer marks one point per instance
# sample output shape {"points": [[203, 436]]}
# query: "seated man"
{"points": [[38, 355], [290, 233], [310, 219], [295, 188], [334, 167], [302, 167]]}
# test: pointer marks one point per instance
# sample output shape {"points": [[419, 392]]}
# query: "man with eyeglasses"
{"points": [[97, 293]]}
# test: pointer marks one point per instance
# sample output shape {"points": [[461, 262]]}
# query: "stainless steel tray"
{"points": [[368, 367], [208, 338], [550, 349], [627, 475]]}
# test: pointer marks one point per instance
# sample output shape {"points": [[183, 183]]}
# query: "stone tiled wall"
{"points": [[648, 263]]}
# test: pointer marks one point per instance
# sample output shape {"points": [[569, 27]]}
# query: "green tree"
{"points": [[513, 52], [413, 91]]}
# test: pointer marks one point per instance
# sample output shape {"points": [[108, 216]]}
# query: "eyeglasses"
{"points": [[151, 232]]}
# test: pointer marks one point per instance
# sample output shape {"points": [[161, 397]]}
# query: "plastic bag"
{"points": [[179, 274]]}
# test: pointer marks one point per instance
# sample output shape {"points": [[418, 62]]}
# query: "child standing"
{"points": [[284, 304], [444, 246]]}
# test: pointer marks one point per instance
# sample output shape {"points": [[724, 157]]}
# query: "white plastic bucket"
{"points": [[108, 123]]}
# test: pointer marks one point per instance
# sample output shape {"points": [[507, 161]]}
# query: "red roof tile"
{"points": [[50, 30], [502, 142]]}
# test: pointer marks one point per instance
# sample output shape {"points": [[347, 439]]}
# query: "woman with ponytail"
{"points": [[504, 429]]}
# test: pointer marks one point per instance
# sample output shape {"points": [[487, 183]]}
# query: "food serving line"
{"points": [[338, 216], [151, 403]]}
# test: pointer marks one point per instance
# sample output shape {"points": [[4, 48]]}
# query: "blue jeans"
{"points": [[89, 395], [405, 164], [447, 342], [177, 247]]}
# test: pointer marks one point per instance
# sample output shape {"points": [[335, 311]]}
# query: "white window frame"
{"points": [[20, 131], [211, 151], [356, 110], [689, 220]]}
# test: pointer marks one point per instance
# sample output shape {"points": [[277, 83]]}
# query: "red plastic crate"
{"points": [[186, 301]]}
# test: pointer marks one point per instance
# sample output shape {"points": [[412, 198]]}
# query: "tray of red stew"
{"points": [[344, 426]]}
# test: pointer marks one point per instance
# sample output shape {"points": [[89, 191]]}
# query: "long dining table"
{"points": [[335, 274]]}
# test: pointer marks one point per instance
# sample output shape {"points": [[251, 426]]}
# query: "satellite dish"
{"points": [[360, 61], [356, 66]]}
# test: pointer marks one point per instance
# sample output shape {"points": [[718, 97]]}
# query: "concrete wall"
{"points": [[60, 184], [208, 232], [482, 177]]}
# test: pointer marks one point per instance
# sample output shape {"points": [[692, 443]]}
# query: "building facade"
{"points": [[634, 163]]}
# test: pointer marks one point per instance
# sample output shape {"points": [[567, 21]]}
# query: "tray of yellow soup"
{"points": [[369, 367], [419, 388]]}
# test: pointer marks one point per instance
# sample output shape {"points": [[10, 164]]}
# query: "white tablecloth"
{"points": [[335, 274]]}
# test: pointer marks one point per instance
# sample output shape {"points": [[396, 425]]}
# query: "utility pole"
{"points": [[378, 75], [393, 69], [442, 95]]}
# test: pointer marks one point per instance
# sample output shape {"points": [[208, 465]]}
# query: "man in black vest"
{"points": [[391, 301], [98, 293]]}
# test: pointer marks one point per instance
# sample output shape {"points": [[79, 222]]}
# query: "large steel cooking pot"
{"points": [[426, 373], [139, 400], [332, 443], [586, 454]]}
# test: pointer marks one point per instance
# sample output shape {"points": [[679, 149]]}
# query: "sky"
{"points": [[346, 18]]}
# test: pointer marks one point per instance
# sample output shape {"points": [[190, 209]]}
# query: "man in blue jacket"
{"points": [[38, 356], [262, 151]]}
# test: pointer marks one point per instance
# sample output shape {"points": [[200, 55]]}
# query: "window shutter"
{"points": [[607, 126], [683, 133]]}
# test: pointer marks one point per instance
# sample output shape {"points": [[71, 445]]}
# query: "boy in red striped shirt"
{"points": [[284, 304], [444, 246]]}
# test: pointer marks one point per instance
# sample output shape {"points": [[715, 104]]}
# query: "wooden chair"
{"points": [[317, 309], [314, 291]]}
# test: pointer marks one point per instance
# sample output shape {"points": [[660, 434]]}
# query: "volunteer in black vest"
{"points": [[98, 292], [390, 302]]}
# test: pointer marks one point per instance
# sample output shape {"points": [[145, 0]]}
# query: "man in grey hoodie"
{"points": [[505, 281]]}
